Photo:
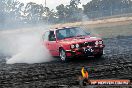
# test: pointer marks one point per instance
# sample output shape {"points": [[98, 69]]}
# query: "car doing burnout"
{"points": [[69, 42]]}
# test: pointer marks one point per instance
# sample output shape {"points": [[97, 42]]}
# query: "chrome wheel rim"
{"points": [[63, 55]]}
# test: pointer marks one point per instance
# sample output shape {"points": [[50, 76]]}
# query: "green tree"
{"points": [[69, 13], [33, 12], [109, 5], [10, 11], [61, 12], [49, 16]]}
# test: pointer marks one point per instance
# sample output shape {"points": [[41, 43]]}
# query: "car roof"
{"points": [[61, 28]]}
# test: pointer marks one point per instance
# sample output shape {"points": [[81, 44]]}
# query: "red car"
{"points": [[69, 42]]}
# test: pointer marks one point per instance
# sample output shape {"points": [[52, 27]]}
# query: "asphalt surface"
{"points": [[115, 64]]}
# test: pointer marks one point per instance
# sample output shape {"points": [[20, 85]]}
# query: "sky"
{"points": [[52, 3]]}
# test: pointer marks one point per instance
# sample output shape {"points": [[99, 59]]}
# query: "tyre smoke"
{"points": [[24, 46]]}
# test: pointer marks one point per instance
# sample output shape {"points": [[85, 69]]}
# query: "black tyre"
{"points": [[98, 55]]}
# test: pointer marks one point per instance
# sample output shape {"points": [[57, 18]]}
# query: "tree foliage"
{"points": [[101, 5], [13, 11], [70, 12]]}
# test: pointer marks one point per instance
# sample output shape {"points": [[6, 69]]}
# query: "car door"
{"points": [[52, 44]]}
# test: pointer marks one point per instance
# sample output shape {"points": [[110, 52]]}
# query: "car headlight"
{"points": [[96, 43], [100, 42], [77, 45], [72, 46]]}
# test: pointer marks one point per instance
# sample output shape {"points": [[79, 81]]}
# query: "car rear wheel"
{"points": [[63, 55]]}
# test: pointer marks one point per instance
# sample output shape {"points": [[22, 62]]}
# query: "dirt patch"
{"points": [[99, 23]]}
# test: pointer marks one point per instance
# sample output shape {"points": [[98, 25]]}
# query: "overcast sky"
{"points": [[52, 3]]}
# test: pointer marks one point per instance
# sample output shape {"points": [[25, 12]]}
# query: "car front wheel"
{"points": [[62, 55]]}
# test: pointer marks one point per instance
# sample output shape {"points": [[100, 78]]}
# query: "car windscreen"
{"points": [[70, 32]]}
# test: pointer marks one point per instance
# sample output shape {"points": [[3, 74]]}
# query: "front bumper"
{"points": [[85, 51]]}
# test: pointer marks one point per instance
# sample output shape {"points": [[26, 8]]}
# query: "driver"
{"points": [[59, 35], [70, 33]]}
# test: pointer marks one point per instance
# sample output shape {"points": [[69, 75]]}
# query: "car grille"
{"points": [[87, 44]]}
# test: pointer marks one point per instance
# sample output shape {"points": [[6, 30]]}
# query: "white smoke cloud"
{"points": [[24, 46]]}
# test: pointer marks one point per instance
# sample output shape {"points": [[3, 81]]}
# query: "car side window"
{"points": [[46, 36], [61, 34], [52, 36]]}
